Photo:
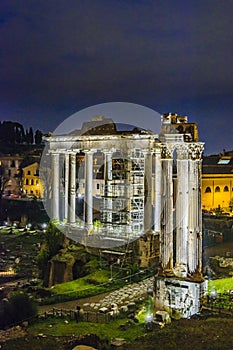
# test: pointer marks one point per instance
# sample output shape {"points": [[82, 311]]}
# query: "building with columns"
{"points": [[137, 185]]}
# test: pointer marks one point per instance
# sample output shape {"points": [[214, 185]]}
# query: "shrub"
{"points": [[17, 309]]}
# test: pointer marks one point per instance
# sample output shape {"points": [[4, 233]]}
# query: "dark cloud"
{"points": [[59, 56]]}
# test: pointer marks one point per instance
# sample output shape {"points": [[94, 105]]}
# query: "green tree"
{"points": [[42, 259], [54, 239]]}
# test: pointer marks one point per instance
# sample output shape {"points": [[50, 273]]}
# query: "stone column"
{"points": [[72, 188], [199, 233], [55, 186], [182, 211], [66, 185], [157, 191], [148, 191], [167, 211], [108, 189], [195, 213], [193, 217], [88, 188]]}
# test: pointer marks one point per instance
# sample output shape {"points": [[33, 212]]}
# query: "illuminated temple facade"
{"points": [[135, 185]]}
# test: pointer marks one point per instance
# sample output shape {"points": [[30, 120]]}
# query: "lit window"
{"points": [[207, 190], [224, 161], [217, 189], [226, 189]]}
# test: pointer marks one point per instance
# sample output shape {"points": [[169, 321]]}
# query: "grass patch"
{"points": [[83, 283], [57, 327], [222, 285]]}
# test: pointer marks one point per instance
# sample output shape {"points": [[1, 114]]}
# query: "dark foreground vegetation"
{"points": [[203, 333]]}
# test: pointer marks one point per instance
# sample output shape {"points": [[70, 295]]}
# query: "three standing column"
{"points": [[166, 242], [157, 191], [182, 211]]}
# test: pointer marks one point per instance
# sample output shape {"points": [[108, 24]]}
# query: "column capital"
{"points": [[158, 149], [167, 150], [182, 151], [108, 151], [89, 151], [54, 152], [195, 150], [73, 151]]}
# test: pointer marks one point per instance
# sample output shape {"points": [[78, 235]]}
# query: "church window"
{"points": [[217, 189], [208, 189]]}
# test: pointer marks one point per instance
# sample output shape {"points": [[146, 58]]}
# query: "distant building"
{"points": [[10, 174], [217, 181], [32, 185]]}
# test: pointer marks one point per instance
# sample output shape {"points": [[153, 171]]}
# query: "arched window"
{"points": [[226, 189], [208, 189], [217, 189], [32, 182], [26, 182]]}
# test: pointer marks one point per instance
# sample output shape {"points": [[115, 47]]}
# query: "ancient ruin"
{"points": [[134, 185]]}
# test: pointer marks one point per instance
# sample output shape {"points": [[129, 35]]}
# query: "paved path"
{"points": [[130, 293]]}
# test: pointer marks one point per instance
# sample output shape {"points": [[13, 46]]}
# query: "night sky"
{"points": [[60, 56]]}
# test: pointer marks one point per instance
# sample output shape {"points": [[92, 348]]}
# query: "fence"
{"points": [[221, 303]]}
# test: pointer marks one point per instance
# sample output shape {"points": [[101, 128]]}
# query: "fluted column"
{"points": [[55, 186], [72, 188], [193, 217], [167, 211], [148, 191], [182, 211], [157, 191], [66, 185], [88, 188], [195, 214], [199, 233]]}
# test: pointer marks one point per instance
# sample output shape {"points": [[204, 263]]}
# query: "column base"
{"points": [[180, 270], [181, 298]]}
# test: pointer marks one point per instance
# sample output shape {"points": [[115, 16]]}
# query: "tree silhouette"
{"points": [[38, 137]]}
